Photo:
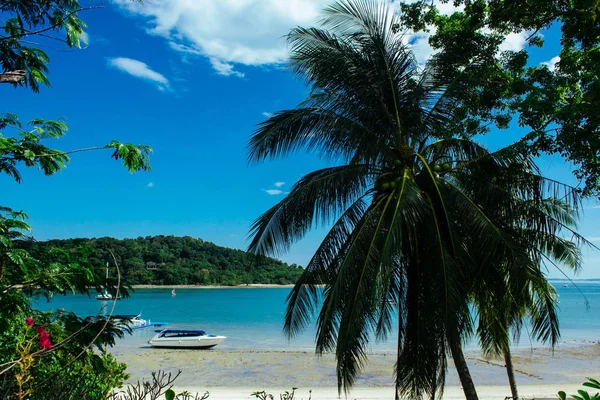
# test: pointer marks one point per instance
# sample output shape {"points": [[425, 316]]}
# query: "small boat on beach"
{"points": [[185, 339]]}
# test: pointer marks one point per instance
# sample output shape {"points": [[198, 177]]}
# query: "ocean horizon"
{"points": [[252, 318]]}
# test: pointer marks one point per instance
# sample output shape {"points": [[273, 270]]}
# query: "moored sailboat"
{"points": [[104, 295]]}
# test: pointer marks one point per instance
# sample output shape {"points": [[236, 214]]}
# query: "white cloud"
{"points": [[419, 44], [279, 184], [139, 70], [150, 185], [593, 238], [273, 192], [551, 65], [267, 114], [228, 32], [515, 41], [231, 33], [224, 68]]}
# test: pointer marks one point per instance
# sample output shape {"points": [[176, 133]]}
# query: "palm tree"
{"points": [[507, 295], [502, 308], [408, 231]]}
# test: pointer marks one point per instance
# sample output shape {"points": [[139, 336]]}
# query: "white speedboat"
{"points": [[185, 339], [132, 321]]}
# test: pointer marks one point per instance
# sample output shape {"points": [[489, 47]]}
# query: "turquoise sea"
{"points": [[252, 318]]}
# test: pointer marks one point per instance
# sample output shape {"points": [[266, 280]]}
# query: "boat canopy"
{"points": [[182, 332], [128, 316]]}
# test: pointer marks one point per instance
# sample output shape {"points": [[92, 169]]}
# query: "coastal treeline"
{"points": [[169, 260]]}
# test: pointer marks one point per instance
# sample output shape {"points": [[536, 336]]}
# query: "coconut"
{"points": [[446, 167]]}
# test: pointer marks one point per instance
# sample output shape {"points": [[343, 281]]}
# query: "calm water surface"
{"points": [[252, 318]]}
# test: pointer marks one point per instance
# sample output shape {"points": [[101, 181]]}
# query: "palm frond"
{"points": [[315, 130], [304, 296], [317, 198]]}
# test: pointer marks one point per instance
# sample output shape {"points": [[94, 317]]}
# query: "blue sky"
{"points": [[192, 80]]}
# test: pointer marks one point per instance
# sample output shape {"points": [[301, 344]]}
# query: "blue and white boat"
{"points": [[185, 339]]}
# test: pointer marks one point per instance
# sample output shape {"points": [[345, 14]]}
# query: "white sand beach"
{"points": [[361, 393], [228, 374]]}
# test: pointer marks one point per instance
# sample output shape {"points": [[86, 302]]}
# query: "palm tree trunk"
{"points": [[398, 352], [463, 370], [511, 374]]}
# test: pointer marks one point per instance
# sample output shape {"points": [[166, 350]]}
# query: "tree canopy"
{"points": [[555, 102], [168, 260]]}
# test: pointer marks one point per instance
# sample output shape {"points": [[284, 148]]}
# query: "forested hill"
{"points": [[171, 260]]}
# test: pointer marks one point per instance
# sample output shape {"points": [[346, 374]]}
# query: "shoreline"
{"points": [[242, 286]]}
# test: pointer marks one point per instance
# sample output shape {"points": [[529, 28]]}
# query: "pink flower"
{"points": [[44, 336], [29, 321], [45, 343], [40, 329]]}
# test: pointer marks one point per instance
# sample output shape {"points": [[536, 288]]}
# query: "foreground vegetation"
{"points": [[170, 260], [47, 355]]}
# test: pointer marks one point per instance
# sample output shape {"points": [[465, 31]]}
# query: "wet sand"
{"points": [[539, 372]]}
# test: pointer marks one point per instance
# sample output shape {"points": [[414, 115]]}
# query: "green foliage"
{"points": [[65, 356], [22, 275], [77, 366], [27, 148], [135, 158], [48, 20], [170, 394], [262, 395], [556, 105], [161, 384], [582, 394], [167, 260]]}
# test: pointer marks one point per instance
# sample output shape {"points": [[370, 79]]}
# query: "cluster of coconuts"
{"points": [[385, 186], [445, 167], [389, 184]]}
